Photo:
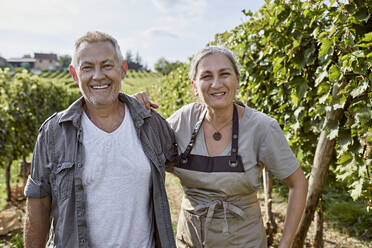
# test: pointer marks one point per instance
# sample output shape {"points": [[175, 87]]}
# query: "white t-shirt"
{"points": [[117, 185]]}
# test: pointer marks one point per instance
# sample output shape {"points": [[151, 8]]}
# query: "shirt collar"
{"points": [[137, 111]]}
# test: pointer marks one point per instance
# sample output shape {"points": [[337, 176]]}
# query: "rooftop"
{"points": [[50, 56]]}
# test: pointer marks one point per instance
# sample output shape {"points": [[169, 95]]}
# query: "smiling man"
{"points": [[98, 166]]}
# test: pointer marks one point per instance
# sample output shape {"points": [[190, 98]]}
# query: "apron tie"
{"points": [[210, 207]]}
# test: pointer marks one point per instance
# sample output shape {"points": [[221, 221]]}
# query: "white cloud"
{"points": [[160, 33], [181, 8], [165, 4]]}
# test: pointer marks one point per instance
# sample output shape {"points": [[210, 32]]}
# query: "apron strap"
{"points": [[195, 132], [235, 139], [234, 142]]}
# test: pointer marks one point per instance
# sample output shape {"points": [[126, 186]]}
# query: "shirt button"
{"points": [[80, 187], [82, 241], [79, 165], [80, 213], [233, 150]]}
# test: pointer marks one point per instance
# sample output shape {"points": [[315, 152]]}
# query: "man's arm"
{"points": [[37, 222]]}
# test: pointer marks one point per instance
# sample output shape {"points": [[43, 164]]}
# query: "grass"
{"points": [[15, 181], [17, 240], [174, 192], [146, 82], [346, 215], [12, 240]]}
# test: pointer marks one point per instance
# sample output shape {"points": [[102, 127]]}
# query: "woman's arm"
{"points": [[297, 184], [143, 98]]}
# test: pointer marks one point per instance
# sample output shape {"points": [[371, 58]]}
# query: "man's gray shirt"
{"points": [[57, 166]]}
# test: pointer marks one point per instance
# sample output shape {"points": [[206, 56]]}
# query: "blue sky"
{"points": [[174, 29]]}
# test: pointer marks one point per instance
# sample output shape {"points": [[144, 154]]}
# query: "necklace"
{"points": [[217, 135]]}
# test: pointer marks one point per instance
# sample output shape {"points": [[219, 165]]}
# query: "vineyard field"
{"points": [[134, 81], [140, 81]]}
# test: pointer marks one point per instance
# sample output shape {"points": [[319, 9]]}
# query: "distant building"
{"points": [[3, 62], [28, 63], [46, 61]]}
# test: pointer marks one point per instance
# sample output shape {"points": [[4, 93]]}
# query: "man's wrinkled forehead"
{"points": [[88, 52]]}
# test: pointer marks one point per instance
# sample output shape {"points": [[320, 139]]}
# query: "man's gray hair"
{"points": [[93, 37], [211, 50]]}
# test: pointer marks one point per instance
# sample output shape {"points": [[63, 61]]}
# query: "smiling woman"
{"points": [[216, 82], [222, 146]]}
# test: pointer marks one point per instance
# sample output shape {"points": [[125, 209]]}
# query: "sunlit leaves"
{"points": [[334, 74], [361, 88], [321, 74], [326, 50]]}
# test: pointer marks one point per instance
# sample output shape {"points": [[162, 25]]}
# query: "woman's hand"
{"points": [[143, 98]]}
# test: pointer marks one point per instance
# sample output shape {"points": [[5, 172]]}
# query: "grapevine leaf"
{"points": [[326, 50], [361, 89], [332, 128], [356, 189], [362, 14], [321, 77], [367, 37], [358, 54], [334, 73], [346, 157]]}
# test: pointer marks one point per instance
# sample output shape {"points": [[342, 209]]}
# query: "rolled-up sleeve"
{"points": [[276, 154], [38, 185]]}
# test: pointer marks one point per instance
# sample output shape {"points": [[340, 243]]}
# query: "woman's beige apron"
{"points": [[220, 206]]}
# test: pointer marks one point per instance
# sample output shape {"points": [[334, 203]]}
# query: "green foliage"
{"points": [[303, 59], [14, 181], [174, 91], [17, 240], [140, 81], [164, 67], [64, 61], [345, 214], [25, 102]]}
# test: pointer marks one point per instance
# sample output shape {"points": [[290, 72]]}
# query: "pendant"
{"points": [[217, 136]]}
